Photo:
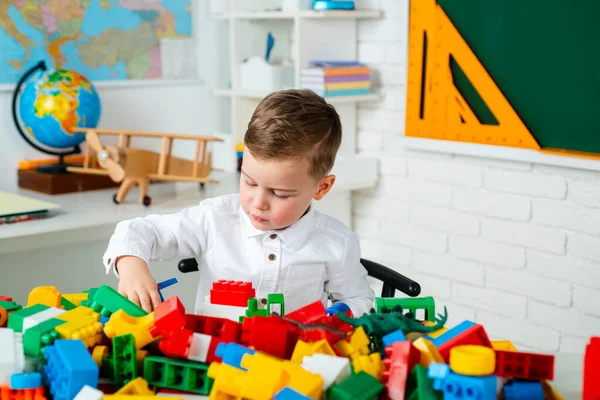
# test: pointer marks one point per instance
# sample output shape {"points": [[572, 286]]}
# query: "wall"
{"points": [[513, 246]]}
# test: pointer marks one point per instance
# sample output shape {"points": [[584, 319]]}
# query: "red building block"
{"points": [[272, 335], [400, 359], [591, 370], [532, 366], [474, 335], [7, 298], [231, 293], [309, 314], [168, 316]]}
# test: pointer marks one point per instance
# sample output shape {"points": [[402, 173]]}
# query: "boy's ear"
{"points": [[324, 186]]}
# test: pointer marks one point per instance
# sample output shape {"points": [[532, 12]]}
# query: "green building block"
{"points": [[107, 300], [361, 386], [40, 336], [186, 376], [420, 387], [91, 292], [412, 305], [123, 360], [66, 304], [108, 371], [275, 304], [16, 318]]}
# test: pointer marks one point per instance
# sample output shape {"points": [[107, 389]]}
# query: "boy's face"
{"points": [[276, 193]]}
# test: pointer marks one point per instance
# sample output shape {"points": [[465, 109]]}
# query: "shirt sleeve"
{"points": [[348, 281], [161, 237]]}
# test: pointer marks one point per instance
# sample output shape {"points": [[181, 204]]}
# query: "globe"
{"points": [[52, 106]]}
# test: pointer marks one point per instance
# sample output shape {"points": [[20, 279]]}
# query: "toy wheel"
{"points": [[115, 199], [147, 201], [202, 184]]}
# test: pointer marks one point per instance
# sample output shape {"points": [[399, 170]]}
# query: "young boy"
{"points": [[269, 233]]}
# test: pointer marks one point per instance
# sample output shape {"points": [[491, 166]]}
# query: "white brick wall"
{"points": [[514, 246]]}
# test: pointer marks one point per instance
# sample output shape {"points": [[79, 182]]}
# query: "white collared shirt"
{"points": [[317, 258]]}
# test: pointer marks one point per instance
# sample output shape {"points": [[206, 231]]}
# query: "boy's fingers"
{"points": [[145, 302], [155, 299], [133, 296]]}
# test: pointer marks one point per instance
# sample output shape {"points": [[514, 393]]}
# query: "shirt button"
{"points": [[273, 236], [272, 257], [263, 301]]}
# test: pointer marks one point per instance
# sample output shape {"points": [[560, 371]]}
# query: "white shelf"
{"points": [[332, 100], [357, 14]]}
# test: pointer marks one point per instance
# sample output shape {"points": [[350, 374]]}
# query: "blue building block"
{"points": [[524, 390], [29, 380], [69, 368], [451, 333], [163, 285], [461, 387], [391, 338], [289, 394], [232, 353]]}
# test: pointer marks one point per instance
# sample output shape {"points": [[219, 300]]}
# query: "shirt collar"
{"points": [[294, 235]]}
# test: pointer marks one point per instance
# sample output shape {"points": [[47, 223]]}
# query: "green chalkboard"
{"points": [[544, 55]]}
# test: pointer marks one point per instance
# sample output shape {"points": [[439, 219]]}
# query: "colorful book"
{"points": [[338, 93], [336, 85], [341, 71], [340, 78]]}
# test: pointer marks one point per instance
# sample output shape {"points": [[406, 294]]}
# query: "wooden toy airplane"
{"points": [[133, 166]]}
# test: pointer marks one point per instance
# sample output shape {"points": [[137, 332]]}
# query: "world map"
{"points": [[100, 39]]}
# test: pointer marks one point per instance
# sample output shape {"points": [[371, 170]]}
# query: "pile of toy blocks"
{"points": [[99, 345]]}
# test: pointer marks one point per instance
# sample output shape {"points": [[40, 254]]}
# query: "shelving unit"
{"points": [[301, 34]]}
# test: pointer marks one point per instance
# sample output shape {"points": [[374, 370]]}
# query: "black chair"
{"points": [[391, 279]]}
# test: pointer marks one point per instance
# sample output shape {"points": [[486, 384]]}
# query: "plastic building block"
{"points": [[371, 364], [429, 353], [289, 394], [123, 360], [7, 307], [227, 381], [311, 313], [524, 390], [307, 349], [412, 305], [400, 359], [591, 370], [202, 347], [6, 393], [7, 298], [36, 319], [338, 307], [231, 293], [163, 285], [70, 367], [271, 334], [503, 345], [89, 393], [41, 335], [169, 323], [26, 380], [232, 353], [473, 334], [81, 323], [46, 295], [361, 386], [391, 338], [12, 358], [232, 313], [99, 353], [137, 386], [356, 345], [275, 305], [121, 323], [75, 298], [457, 386], [17, 317], [472, 360], [66, 304], [180, 375], [332, 369], [513, 364], [418, 386], [107, 300]]}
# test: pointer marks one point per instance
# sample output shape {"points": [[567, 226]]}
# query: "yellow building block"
{"points": [[472, 360], [99, 354], [357, 345], [550, 392], [437, 333], [503, 345], [46, 295], [371, 364], [264, 378], [76, 298], [309, 348], [227, 383], [137, 386], [303, 381], [136, 397], [429, 353], [81, 323], [121, 323]]}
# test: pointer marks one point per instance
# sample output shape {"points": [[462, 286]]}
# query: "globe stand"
{"points": [[58, 168]]}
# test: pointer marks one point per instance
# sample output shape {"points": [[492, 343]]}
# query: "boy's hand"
{"points": [[136, 282]]}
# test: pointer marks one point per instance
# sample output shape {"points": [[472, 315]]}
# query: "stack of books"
{"points": [[336, 78]]}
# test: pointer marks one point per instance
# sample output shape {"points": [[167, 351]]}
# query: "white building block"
{"points": [[35, 319], [89, 393], [199, 347], [12, 357], [332, 369], [217, 310]]}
